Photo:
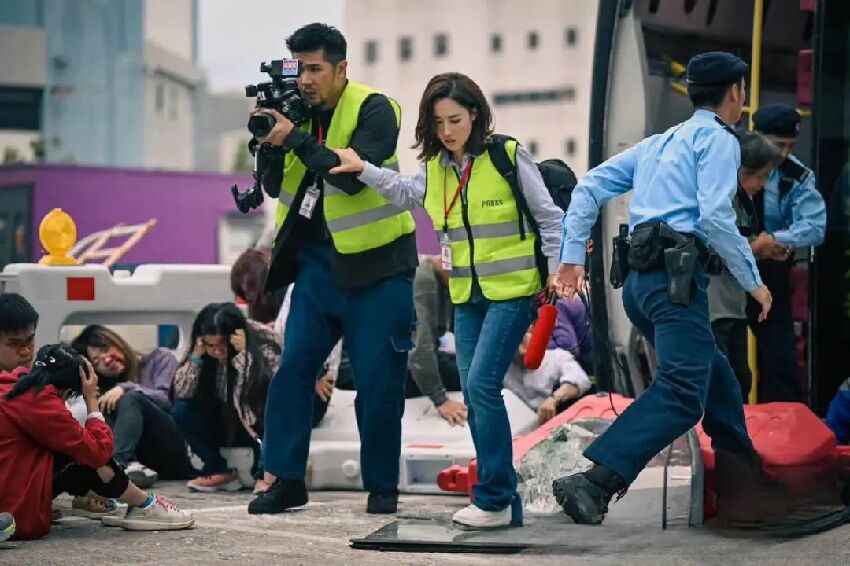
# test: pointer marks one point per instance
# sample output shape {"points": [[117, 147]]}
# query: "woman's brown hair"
{"points": [[247, 281], [101, 337], [465, 92]]}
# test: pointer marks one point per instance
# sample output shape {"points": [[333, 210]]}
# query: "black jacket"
{"points": [[374, 140]]}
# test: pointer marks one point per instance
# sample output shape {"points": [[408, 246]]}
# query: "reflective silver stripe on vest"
{"points": [[285, 198], [489, 231], [500, 267], [363, 218], [333, 190]]}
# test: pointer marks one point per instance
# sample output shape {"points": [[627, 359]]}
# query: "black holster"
{"points": [[654, 246], [620, 258], [680, 263]]}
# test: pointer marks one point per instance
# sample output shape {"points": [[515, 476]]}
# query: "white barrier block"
{"points": [[429, 443], [88, 294]]}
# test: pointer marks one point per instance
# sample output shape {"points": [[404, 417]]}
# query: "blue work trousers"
{"points": [[694, 380], [376, 323]]}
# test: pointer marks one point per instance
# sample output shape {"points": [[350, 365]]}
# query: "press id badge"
{"points": [[446, 252], [308, 205]]}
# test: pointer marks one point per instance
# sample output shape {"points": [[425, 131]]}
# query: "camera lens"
{"points": [[260, 125]]}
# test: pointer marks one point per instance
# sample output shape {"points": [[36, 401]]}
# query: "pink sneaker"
{"points": [[217, 482]]}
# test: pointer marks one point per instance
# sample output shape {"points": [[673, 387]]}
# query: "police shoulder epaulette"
{"points": [[726, 127], [793, 170]]}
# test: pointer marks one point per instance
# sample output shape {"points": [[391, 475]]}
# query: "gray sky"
{"points": [[236, 35]]}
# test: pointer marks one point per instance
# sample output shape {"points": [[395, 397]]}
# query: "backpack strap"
{"points": [[507, 169]]}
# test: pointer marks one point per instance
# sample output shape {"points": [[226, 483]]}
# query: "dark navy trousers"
{"points": [[376, 323], [694, 380]]}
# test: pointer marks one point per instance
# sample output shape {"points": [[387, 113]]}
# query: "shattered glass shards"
{"points": [[557, 456]]}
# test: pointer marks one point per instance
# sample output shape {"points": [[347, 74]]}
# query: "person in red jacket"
{"points": [[43, 449]]}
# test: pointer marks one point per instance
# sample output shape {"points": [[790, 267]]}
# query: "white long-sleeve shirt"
{"points": [[534, 386]]}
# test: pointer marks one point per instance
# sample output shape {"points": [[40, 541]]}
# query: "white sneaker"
{"points": [[161, 515], [141, 475], [472, 516], [116, 514]]}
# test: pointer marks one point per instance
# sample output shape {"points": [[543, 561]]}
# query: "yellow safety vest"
{"points": [[491, 246], [360, 222]]}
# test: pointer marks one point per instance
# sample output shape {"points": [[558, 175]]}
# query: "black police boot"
{"points": [[281, 496], [384, 503], [585, 496]]}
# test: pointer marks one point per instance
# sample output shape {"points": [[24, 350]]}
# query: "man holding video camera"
{"points": [[352, 256]]}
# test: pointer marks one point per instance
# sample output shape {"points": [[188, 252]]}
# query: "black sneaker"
{"points": [[382, 503], [585, 496], [281, 496]]}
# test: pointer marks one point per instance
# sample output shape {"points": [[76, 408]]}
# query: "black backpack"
{"points": [[557, 176]]}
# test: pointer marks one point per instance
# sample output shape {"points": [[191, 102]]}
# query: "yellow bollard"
{"points": [[58, 234], [755, 100]]}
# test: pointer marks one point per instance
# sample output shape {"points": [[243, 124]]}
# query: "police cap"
{"points": [[716, 68], [778, 120]]}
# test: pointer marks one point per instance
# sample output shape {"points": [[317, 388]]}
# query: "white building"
{"points": [[532, 59], [174, 81]]}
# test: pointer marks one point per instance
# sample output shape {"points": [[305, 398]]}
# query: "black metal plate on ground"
{"points": [[621, 532], [629, 520], [543, 534]]}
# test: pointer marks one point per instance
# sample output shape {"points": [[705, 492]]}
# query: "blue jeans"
{"points": [[487, 335], [202, 429], [694, 380], [376, 322], [201, 435]]}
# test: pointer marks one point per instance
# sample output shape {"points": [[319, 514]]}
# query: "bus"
{"points": [[799, 54]]}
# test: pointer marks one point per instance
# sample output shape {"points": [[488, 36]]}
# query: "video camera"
{"points": [[281, 94]]}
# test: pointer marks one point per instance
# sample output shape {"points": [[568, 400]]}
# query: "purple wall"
{"points": [[187, 206]]}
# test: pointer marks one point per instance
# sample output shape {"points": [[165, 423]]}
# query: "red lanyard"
{"points": [[448, 207], [321, 134]]}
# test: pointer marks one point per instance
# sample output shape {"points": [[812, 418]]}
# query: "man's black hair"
{"points": [[710, 95], [315, 37], [16, 314]]}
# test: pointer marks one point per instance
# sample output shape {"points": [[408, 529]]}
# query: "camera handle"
{"points": [[253, 196]]}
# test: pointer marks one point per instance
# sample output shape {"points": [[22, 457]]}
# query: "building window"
{"points": [[570, 36], [371, 54], [532, 147], [533, 40], [441, 45], [20, 108], [555, 95], [173, 101], [405, 48], [570, 147], [496, 43], [159, 97]]}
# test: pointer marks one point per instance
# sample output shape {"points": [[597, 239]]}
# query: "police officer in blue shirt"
{"points": [[682, 183], [792, 211]]}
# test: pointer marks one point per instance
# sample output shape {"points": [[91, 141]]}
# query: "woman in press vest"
{"points": [[488, 245]]}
